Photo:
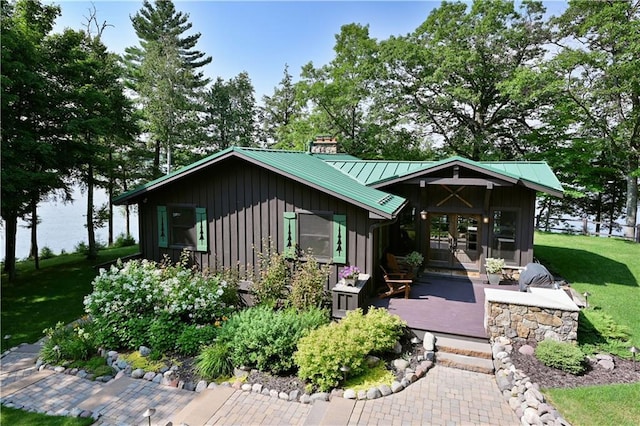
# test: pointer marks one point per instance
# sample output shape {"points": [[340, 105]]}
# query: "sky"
{"points": [[258, 37]]}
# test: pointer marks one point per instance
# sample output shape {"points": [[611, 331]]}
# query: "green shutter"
{"points": [[163, 227], [202, 228], [290, 236], [339, 238]]}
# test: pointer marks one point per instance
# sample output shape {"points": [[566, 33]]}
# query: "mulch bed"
{"points": [[548, 377]]}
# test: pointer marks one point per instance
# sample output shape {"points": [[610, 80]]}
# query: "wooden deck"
{"points": [[443, 305]]}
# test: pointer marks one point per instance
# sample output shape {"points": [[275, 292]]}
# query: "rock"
{"points": [[112, 354], [607, 357], [526, 350], [82, 374], [547, 419], [426, 365], [180, 384], [265, 392], [164, 369], [504, 380], [294, 395], [336, 393], [305, 399], [420, 372], [246, 387], [39, 363], [429, 342], [531, 416], [385, 390], [374, 393], [372, 361], [225, 384], [90, 376], [59, 369], [413, 377], [150, 375], [202, 385], [397, 348], [157, 379], [514, 402], [405, 383], [606, 364], [534, 393], [75, 412], [237, 385], [85, 414], [362, 395], [544, 408], [138, 373], [122, 364], [400, 364], [237, 372], [320, 396], [212, 385], [257, 388], [273, 393], [106, 378], [396, 386], [429, 356], [144, 351], [349, 394]]}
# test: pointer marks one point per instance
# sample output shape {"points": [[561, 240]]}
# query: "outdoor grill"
{"points": [[536, 275]]}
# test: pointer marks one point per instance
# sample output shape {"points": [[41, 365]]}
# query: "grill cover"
{"points": [[535, 275]]}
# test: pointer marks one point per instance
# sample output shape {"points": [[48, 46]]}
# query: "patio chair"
{"points": [[397, 268], [396, 283]]}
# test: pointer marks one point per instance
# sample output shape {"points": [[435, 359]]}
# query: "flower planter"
{"points": [[494, 279]]}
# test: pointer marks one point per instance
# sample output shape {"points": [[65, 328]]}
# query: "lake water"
{"points": [[62, 226]]}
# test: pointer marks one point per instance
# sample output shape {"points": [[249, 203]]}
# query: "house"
{"points": [[348, 211]]}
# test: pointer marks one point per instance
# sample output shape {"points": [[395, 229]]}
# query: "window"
{"points": [[183, 226], [325, 234], [505, 232]]}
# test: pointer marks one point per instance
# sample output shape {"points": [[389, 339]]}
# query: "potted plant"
{"points": [[494, 270], [414, 260], [349, 275]]}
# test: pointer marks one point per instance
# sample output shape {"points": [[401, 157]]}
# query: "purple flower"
{"points": [[349, 272]]}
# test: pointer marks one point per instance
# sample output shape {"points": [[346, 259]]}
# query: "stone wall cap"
{"points": [[539, 297]]}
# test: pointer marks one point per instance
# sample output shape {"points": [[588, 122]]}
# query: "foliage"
{"points": [[37, 299], [564, 356], [136, 360], [371, 377], [163, 330], [308, 284], [46, 253], [68, 343], [194, 337], [346, 343], [280, 112], [123, 240], [494, 266], [598, 331], [214, 361], [598, 405], [266, 339], [271, 285], [15, 417], [128, 297], [414, 259]]}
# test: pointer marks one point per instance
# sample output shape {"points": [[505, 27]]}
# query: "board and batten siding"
{"points": [[245, 206]]}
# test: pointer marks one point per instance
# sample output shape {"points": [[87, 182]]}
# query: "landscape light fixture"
{"points": [[586, 295], [423, 215], [634, 351], [415, 341], [148, 413], [345, 369]]}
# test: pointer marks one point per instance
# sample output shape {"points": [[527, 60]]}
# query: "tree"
{"points": [[454, 77], [597, 75], [164, 72], [36, 156], [230, 113], [280, 113]]}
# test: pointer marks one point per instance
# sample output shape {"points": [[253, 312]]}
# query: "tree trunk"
{"points": [[598, 212], [156, 161], [11, 226], [110, 190], [34, 232], [631, 204], [91, 235]]}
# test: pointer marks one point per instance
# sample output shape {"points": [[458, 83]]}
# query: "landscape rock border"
{"points": [[522, 395]]}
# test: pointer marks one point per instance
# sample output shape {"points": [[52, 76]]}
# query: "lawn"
{"points": [[38, 299], [609, 269], [14, 417]]}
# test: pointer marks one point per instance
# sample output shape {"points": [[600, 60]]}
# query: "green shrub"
{"points": [[271, 286], [69, 343], [46, 253], [164, 330], [266, 339], [214, 361], [194, 337], [123, 240], [564, 356], [346, 343], [308, 284], [96, 365]]}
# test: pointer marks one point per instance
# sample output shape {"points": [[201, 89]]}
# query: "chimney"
{"points": [[324, 145]]}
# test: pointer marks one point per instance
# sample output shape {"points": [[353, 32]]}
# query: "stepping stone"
{"points": [[203, 406]]}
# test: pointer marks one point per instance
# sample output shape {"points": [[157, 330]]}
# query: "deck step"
{"points": [[464, 347], [463, 362]]}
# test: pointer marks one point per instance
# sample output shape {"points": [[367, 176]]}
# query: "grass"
{"points": [[598, 405], [609, 270], [38, 299], [14, 417]]}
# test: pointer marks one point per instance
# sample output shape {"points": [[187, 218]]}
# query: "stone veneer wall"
{"points": [[548, 314]]}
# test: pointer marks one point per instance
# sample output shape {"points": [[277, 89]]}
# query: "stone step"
{"points": [[202, 407], [25, 382], [463, 362], [465, 347]]}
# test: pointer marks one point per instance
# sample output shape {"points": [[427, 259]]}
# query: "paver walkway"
{"points": [[445, 396]]}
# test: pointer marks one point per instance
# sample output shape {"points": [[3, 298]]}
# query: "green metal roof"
{"points": [[300, 166], [532, 174]]}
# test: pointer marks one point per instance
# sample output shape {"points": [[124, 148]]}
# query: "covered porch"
{"points": [[441, 304]]}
